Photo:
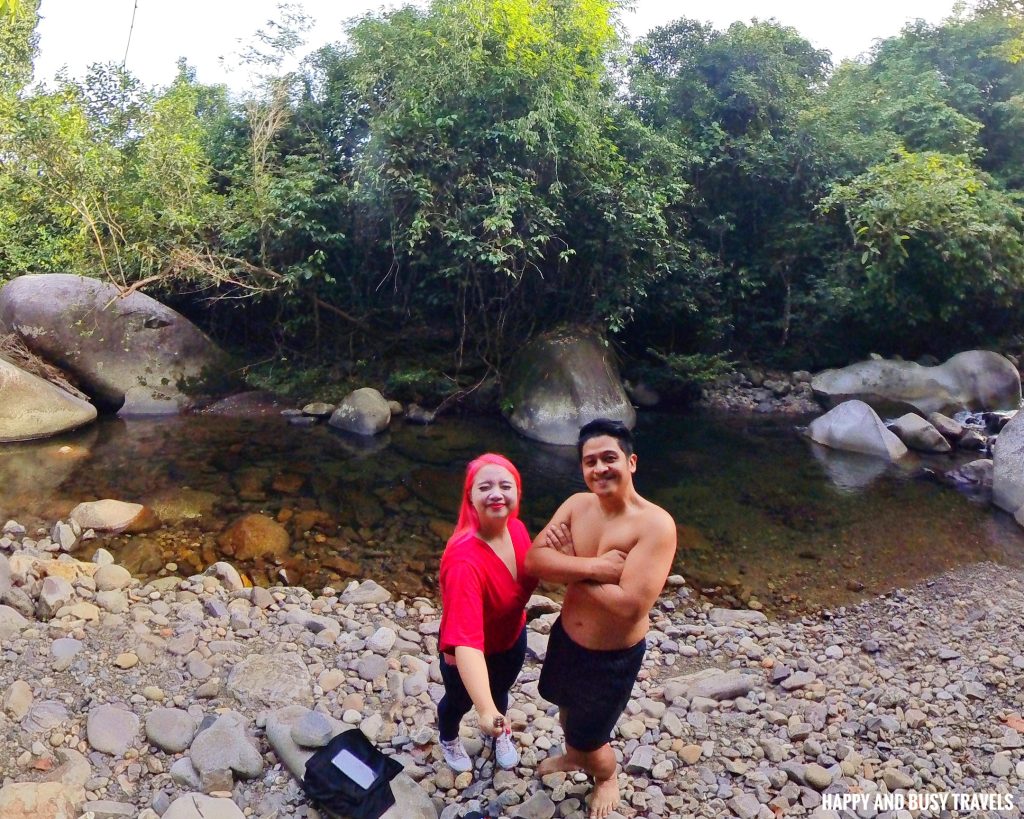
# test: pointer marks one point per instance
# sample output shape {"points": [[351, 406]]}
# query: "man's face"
{"points": [[606, 469]]}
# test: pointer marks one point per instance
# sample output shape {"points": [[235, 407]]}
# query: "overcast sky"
{"points": [[75, 33]]}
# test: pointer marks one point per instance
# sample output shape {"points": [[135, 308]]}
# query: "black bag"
{"points": [[349, 777]]}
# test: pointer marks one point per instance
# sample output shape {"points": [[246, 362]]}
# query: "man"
{"points": [[614, 550]]}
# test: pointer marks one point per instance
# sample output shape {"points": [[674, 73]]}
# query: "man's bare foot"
{"points": [[604, 798], [557, 763]]}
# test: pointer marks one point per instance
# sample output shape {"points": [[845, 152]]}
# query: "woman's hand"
{"points": [[558, 536], [492, 722]]}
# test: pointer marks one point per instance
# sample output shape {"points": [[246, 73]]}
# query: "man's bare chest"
{"points": [[593, 535]]}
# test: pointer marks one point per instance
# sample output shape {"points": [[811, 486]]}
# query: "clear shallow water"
{"points": [[762, 512]]}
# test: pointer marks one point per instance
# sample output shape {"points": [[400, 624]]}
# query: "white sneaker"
{"points": [[505, 752], [454, 753]]}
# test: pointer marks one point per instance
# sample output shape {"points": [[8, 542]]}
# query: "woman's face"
{"points": [[493, 493]]}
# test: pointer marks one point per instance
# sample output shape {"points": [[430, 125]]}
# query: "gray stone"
{"points": [[63, 534], [227, 574], [170, 729], [183, 773], [271, 681], [798, 679], [972, 380], [64, 650], [113, 577], [817, 777], [918, 434], [711, 683], [745, 806], [641, 761], [895, 779], [1002, 764], [538, 806], [17, 699], [382, 640], [368, 591], [45, 716], [224, 745], [853, 426], [111, 729], [107, 809], [201, 806], [55, 593], [11, 622], [312, 730], [372, 667], [126, 350], [735, 617]]}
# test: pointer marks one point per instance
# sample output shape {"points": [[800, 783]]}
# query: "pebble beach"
{"points": [[200, 698]]}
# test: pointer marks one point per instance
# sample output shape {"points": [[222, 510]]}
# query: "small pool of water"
{"points": [[763, 514]]}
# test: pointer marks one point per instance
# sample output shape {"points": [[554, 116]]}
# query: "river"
{"points": [[764, 516]]}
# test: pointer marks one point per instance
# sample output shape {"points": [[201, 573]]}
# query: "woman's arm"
{"points": [[473, 670]]}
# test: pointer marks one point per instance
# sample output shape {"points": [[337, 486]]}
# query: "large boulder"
{"points": [[973, 380], [561, 381], [132, 352], [1008, 466], [33, 408], [855, 427]]}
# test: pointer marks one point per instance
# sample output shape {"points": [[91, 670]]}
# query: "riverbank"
{"points": [[918, 691]]}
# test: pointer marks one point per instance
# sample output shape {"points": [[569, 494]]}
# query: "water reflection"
{"points": [[760, 516], [848, 471]]}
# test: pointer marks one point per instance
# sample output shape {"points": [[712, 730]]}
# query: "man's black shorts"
{"points": [[591, 686]]}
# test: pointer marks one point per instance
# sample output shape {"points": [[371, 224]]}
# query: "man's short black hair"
{"points": [[605, 426]]}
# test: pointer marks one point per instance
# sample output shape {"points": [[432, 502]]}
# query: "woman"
{"points": [[484, 589]]}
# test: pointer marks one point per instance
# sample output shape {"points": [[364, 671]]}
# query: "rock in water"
{"points": [[918, 434], [855, 427], [363, 412], [33, 408]]}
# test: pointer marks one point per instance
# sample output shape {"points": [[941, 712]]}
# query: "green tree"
{"points": [[941, 251], [732, 101]]}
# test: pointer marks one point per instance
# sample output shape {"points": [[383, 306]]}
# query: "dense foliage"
{"points": [[447, 182]]}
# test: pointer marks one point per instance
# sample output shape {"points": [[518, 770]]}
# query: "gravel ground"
{"points": [[127, 700]]}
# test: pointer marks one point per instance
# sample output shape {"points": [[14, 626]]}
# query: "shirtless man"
{"points": [[614, 551]]}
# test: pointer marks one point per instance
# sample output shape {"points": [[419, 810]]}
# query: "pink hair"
{"points": [[469, 521]]}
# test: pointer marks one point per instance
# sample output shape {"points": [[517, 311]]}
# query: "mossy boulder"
{"points": [[561, 381], [131, 353]]}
